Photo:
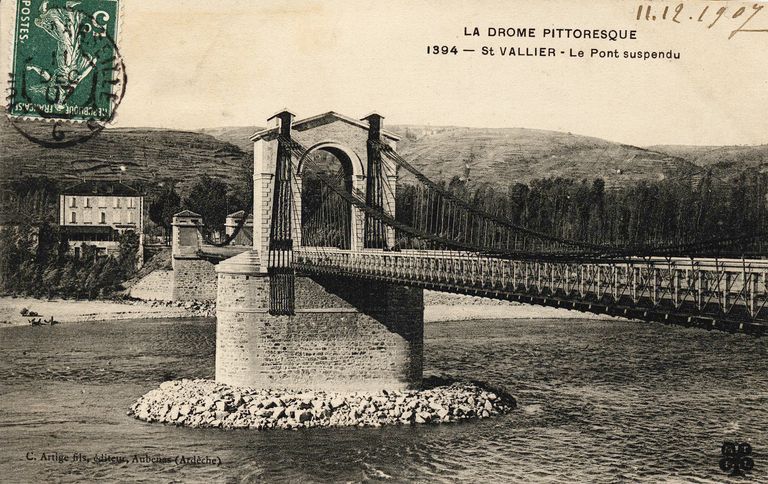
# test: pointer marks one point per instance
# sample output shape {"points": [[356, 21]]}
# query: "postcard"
{"points": [[408, 241]]}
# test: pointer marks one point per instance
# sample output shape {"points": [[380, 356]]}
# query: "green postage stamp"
{"points": [[66, 64]]}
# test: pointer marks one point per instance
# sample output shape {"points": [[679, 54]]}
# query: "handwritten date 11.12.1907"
{"points": [[708, 16]]}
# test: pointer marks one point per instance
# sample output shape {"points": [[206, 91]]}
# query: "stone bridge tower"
{"points": [[342, 334], [340, 136]]}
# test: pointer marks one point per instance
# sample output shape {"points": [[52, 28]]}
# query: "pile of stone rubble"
{"points": [[205, 403]]}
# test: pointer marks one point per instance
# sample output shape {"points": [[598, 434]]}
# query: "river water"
{"points": [[599, 401]]}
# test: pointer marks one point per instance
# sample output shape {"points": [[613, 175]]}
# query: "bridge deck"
{"points": [[728, 294]]}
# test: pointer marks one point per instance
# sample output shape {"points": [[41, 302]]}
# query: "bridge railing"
{"points": [[731, 290]]}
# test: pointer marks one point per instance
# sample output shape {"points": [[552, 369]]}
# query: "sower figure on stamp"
{"points": [[73, 65]]}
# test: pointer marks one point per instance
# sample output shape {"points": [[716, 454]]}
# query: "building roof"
{"points": [[330, 116], [187, 213], [101, 187], [239, 216]]}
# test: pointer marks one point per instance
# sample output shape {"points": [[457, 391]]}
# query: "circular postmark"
{"points": [[68, 76]]}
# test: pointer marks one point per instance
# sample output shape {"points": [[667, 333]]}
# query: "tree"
{"points": [[48, 239], [15, 254], [208, 197], [110, 277], [162, 209], [35, 198], [27, 275], [68, 280], [93, 278], [51, 277], [129, 250], [241, 192]]}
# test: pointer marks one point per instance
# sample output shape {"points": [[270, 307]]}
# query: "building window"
{"points": [[130, 218], [87, 202], [73, 202], [87, 217], [131, 202], [73, 218], [117, 202], [103, 218]]}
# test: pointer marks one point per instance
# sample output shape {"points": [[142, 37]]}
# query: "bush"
{"points": [[47, 269]]}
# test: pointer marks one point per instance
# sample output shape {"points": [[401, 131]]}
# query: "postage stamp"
{"points": [[65, 61]]}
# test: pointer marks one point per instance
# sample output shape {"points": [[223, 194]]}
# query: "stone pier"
{"points": [[344, 336]]}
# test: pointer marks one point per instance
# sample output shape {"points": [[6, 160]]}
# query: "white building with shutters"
{"points": [[96, 212]]}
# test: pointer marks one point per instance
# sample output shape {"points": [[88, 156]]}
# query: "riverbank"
{"points": [[444, 306], [74, 311], [455, 312], [437, 307]]}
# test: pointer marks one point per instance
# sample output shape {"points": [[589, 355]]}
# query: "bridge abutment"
{"points": [[345, 335]]}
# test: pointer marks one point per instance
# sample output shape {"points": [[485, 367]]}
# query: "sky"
{"points": [[200, 63]]}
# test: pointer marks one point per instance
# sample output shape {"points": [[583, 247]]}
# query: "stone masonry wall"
{"points": [[344, 336], [155, 286], [193, 280]]}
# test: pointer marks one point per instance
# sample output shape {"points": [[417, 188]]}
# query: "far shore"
{"points": [[448, 308], [75, 311], [444, 312]]}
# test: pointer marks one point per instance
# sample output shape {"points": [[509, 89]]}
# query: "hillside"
{"points": [[236, 135], [148, 155], [505, 156], [500, 157], [720, 158]]}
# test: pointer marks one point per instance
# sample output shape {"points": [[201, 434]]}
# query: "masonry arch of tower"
{"points": [[348, 142], [326, 219]]}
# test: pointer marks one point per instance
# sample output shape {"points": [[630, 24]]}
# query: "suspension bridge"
{"points": [[331, 291]]}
